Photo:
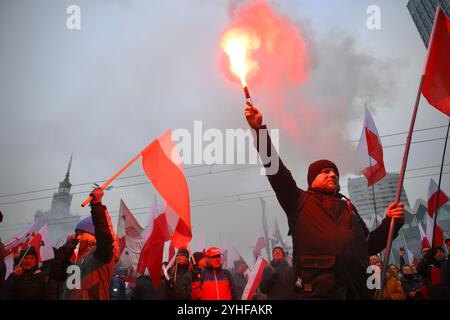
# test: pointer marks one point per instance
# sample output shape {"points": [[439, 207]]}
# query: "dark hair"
{"points": [[447, 241]]}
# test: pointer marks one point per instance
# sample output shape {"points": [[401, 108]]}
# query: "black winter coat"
{"points": [[30, 285], [331, 242], [277, 281]]}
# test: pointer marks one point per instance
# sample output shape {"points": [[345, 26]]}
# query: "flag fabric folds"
{"points": [[433, 229], [369, 153], [436, 85], [162, 165]]}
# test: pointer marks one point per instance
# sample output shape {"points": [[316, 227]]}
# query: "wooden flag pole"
{"points": [[107, 183], [439, 186]]}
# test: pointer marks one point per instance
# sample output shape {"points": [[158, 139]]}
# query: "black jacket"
{"points": [[240, 281], [277, 281], [331, 242], [30, 285], [144, 289], [433, 274]]}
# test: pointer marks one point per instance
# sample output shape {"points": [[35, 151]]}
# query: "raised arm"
{"points": [[280, 179]]}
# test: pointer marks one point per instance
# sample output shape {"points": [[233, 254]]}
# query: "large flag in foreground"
{"points": [[254, 279], [436, 85], [435, 231], [162, 165], [153, 250], [369, 152]]}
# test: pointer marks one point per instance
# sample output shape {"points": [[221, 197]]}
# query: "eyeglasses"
{"points": [[216, 256]]}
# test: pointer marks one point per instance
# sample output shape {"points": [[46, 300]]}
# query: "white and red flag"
{"points": [[423, 237], [369, 153], [20, 241], [238, 258], [433, 199], [46, 249], [162, 165], [411, 258], [152, 253], [9, 262], [254, 279]]}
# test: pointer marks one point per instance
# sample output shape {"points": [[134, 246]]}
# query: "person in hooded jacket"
{"points": [[432, 270]]}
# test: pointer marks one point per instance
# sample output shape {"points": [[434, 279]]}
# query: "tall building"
{"points": [[423, 12], [362, 197], [59, 219]]}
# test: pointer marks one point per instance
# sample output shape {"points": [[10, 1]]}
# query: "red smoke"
{"points": [[282, 55]]}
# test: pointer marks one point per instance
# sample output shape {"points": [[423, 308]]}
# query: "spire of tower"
{"points": [[68, 168]]}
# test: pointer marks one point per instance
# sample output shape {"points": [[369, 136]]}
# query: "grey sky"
{"points": [[137, 68]]}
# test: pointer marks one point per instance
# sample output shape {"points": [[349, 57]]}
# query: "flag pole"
{"points": [[373, 193], [107, 183], [405, 155], [399, 188], [439, 185]]}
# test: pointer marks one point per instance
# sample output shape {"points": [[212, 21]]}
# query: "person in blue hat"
{"points": [[90, 253]]}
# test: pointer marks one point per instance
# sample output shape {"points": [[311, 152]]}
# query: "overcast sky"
{"points": [[138, 68]]}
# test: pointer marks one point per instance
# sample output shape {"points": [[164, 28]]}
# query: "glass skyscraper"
{"points": [[423, 12]]}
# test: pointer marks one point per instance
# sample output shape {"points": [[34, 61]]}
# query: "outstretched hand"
{"points": [[253, 116]]}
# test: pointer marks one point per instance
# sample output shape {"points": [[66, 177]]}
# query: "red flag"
{"points": [[370, 152], [35, 242], [423, 237], [254, 279], [436, 85], [432, 210], [152, 252], [162, 165]]}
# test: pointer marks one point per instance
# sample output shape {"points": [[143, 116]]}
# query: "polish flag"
{"points": [[9, 262], [254, 279], [369, 153], [35, 242], [432, 210], [260, 244], [20, 241], [152, 252], [423, 237], [162, 165], [46, 248], [411, 258], [237, 257], [436, 84]]}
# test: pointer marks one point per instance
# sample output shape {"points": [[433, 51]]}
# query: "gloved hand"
{"points": [[97, 195]]}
